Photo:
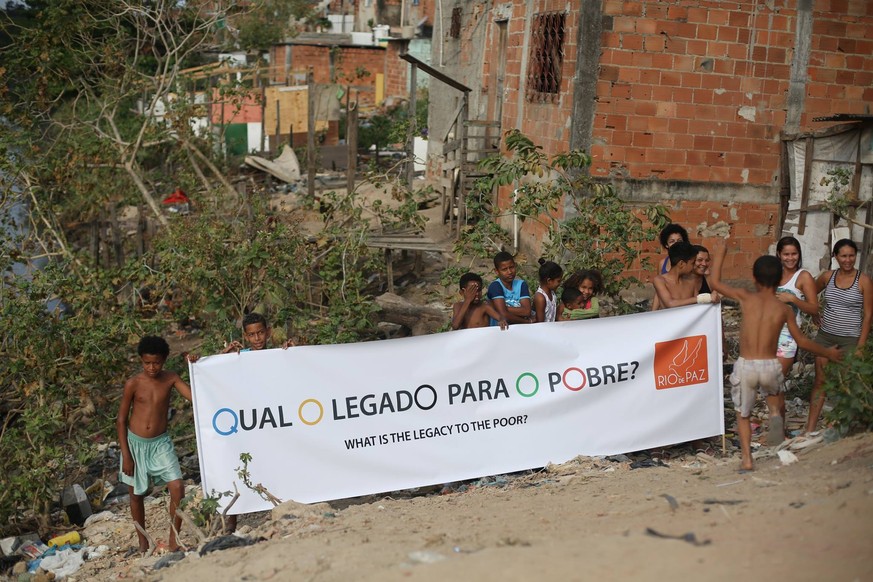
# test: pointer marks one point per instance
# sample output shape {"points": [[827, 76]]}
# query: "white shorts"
{"points": [[751, 376]]}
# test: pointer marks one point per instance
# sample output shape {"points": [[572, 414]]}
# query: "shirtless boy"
{"points": [[757, 367], [678, 286], [472, 311], [146, 449]]}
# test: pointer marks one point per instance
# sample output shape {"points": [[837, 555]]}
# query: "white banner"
{"points": [[338, 421]]}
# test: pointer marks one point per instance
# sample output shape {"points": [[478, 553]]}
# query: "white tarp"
{"points": [[338, 421], [838, 151]]}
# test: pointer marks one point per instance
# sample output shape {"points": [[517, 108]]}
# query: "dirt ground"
{"points": [[680, 514], [585, 520]]}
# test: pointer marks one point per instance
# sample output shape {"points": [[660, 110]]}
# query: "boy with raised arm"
{"points": [[472, 311], [757, 368], [146, 449], [678, 287], [509, 294]]}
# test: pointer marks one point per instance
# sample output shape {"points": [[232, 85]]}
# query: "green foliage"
{"points": [[60, 374], [203, 510], [266, 22], [848, 388], [600, 230], [391, 127], [223, 268]]}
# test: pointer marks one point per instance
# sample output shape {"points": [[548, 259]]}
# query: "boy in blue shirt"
{"points": [[510, 295]]}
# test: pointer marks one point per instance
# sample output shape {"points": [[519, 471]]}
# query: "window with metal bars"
{"points": [[546, 57], [455, 29]]}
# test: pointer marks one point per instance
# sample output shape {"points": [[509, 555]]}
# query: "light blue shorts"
{"points": [[153, 458]]}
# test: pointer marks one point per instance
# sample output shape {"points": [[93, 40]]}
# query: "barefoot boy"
{"points": [[678, 287], [472, 311], [757, 367], [146, 449]]}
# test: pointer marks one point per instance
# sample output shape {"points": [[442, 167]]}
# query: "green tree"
{"points": [[600, 230], [266, 22]]}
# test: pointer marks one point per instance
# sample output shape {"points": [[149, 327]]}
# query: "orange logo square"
{"points": [[681, 362]]}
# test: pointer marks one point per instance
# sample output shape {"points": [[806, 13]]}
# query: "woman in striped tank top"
{"points": [[846, 318]]}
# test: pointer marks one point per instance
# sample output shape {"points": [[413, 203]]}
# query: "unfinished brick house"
{"points": [[728, 112]]}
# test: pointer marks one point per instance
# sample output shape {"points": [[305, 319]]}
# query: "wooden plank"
{"points": [[389, 267], [804, 193], [436, 73], [410, 247], [451, 147], [454, 119]]}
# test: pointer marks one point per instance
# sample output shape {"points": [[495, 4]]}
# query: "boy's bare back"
{"points": [[149, 398], [763, 319]]}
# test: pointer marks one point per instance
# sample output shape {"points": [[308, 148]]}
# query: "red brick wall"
{"points": [[752, 228], [350, 67], [395, 71], [841, 61], [694, 92], [242, 109], [679, 83]]}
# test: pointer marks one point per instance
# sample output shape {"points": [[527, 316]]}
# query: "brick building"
{"points": [[373, 72], [695, 103]]}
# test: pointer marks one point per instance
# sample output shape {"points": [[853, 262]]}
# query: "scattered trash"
{"points": [[76, 504], [723, 501], [92, 553], [688, 537], [225, 543], [796, 504], [102, 516], [70, 538], [8, 545], [425, 557], [674, 505], [787, 457], [286, 167], [618, 458], [177, 202], [32, 550], [645, 463], [169, 560], [730, 483], [61, 562]]}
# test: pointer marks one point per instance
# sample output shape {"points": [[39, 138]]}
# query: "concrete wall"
{"points": [[461, 58]]}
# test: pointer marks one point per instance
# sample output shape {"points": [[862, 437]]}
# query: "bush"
{"points": [[600, 231], [848, 387]]}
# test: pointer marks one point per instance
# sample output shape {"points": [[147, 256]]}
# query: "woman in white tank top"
{"points": [[797, 289]]}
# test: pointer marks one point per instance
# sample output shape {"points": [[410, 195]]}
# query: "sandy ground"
{"points": [[584, 520]]}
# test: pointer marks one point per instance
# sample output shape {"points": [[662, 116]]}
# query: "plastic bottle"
{"points": [[71, 537]]}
